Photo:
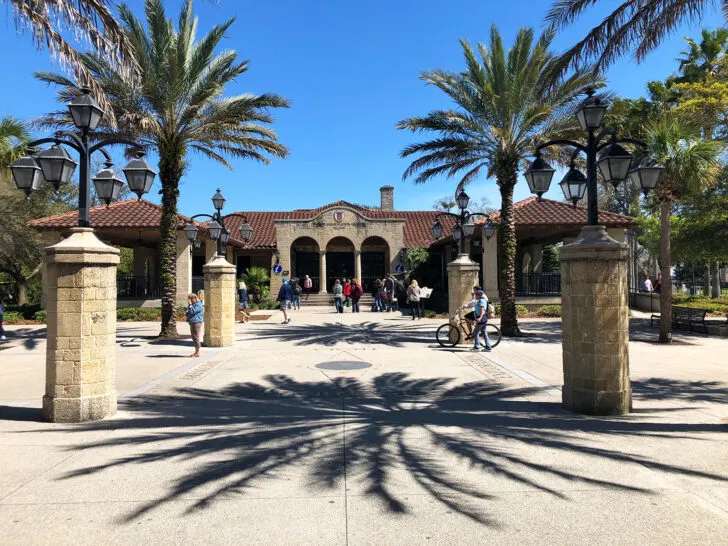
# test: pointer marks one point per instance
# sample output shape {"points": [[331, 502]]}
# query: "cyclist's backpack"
{"points": [[297, 289], [490, 312]]}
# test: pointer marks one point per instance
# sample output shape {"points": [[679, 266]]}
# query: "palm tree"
{"points": [[504, 104], [256, 278], [703, 59], [13, 135], [635, 26], [175, 105], [691, 165], [90, 21]]}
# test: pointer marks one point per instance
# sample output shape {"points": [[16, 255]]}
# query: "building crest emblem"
{"points": [[339, 215]]}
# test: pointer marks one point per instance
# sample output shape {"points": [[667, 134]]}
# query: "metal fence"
{"points": [[538, 284], [198, 283], [132, 287]]}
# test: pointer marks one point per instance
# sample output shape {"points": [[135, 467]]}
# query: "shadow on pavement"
{"points": [[456, 444], [333, 333]]}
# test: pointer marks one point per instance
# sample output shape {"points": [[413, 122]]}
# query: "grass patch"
{"points": [[714, 306]]}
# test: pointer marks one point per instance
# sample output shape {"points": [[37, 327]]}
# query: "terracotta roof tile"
{"points": [[548, 212], [131, 213]]}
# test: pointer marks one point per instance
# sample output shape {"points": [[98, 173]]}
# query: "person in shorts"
{"points": [[285, 297]]}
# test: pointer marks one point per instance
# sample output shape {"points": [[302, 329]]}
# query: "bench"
{"points": [[685, 315]]}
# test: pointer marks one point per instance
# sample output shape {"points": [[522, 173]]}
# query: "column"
{"points": [[462, 275], [357, 264], [184, 268], [595, 321], [219, 303], [140, 261], [210, 250], [81, 335], [322, 272], [49, 239], [490, 267]]}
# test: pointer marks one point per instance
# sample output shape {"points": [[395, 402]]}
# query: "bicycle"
{"points": [[448, 335]]}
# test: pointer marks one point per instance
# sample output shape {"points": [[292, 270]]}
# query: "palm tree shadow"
{"points": [[333, 333], [381, 433]]}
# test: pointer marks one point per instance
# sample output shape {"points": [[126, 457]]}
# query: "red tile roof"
{"points": [[548, 212], [131, 213], [143, 214]]}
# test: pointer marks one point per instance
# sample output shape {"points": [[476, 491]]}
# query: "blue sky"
{"points": [[350, 70]]}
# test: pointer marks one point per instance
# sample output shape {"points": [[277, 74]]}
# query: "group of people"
{"points": [[388, 292], [347, 294], [646, 285]]}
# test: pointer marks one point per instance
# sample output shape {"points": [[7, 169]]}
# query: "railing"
{"points": [[131, 287], [538, 284]]}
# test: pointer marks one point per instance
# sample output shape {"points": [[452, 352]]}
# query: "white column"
{"points": [[490, 267], [184, 268], [357, 264], [322, 272]]}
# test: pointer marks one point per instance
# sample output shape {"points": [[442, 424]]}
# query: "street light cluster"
{"points": [[216, 229], [465, 226], [55, 166], [615, 163]]}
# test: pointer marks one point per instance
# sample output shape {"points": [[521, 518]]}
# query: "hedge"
{"points": [[550, 310], [520, 309], [41, 316], [11, 317]]}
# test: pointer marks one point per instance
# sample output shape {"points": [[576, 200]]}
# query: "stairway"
{"points": [[325, 300]]}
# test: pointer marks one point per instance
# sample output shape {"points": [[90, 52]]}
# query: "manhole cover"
{"points": [[343, 365]]}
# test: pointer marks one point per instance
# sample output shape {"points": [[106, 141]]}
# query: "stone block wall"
{"points": [[219, 303], [595, 321], [81, 335]]}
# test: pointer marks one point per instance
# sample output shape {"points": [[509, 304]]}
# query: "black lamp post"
{"points": [[216, 228], [55, 166], [614, 162], [465, 226]]}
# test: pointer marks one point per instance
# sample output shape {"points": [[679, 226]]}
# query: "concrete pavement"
{"points": [[359, 429]]}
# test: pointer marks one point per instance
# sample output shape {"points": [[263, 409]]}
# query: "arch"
{"points": [[375, 259], [340, 244], [305, 259], [340, 260]]}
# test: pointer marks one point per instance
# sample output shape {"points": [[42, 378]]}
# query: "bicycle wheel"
{"points": [[447, 335], [494, 335]]}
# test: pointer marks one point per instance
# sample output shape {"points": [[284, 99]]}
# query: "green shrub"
{"points": [[520, 309], [12, 317], [147, 314], [41, 316], [429, 313], [550, 310], [180, 313]]}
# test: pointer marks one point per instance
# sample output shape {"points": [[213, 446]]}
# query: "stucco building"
{"points": [[337, 240]]}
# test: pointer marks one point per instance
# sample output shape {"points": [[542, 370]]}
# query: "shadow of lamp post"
{"points": [[80, 271], [594, 267], [219, 274]]}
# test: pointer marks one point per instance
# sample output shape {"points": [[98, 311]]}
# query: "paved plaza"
{"points": [[360, 429]]}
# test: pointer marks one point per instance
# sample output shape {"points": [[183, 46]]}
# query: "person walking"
{"points": [[297, 290], [347, 293], [413, 297], [389, 292], [338, 296], [243, 300], [481, 320], [2, 313], [285, 296], [377, 293], [307, 284], [356, 293], [195, 317]]}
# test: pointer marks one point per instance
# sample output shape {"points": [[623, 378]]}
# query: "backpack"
{"points": [[297, 290]]}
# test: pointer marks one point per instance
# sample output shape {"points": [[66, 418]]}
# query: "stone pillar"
{"points": [[219, 302], [537, 258], [49, 239], [210, 250], [322, 272], [184, 268], [81, 335], [595, 320], [462, 275], [140, 261], [357, 264], [490, 267]]}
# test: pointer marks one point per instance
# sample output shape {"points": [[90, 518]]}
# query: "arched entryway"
{"points": [[375, 260], [339, 261], [305, 260]]}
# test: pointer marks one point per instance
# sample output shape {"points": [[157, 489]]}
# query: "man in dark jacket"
{"points": [[285, 296], [389, 287]]}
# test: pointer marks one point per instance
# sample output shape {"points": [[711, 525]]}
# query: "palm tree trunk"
{"points": [[665, 262], [170, 173], [506, 177]]}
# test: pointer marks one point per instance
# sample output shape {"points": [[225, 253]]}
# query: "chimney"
{"points": [[387, 193]]}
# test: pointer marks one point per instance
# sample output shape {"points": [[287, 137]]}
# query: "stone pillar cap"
{"points": [[82, 246], [463, 261], [218, 264]]}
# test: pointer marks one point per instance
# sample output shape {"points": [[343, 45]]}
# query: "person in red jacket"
{"points": [[356, 292], [347, 292]]}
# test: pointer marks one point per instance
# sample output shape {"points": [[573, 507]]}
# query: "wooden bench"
{"points": [[685, 315]]}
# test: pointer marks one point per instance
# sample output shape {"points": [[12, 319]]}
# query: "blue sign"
{"points": [[277, 269], [399, 268]]}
